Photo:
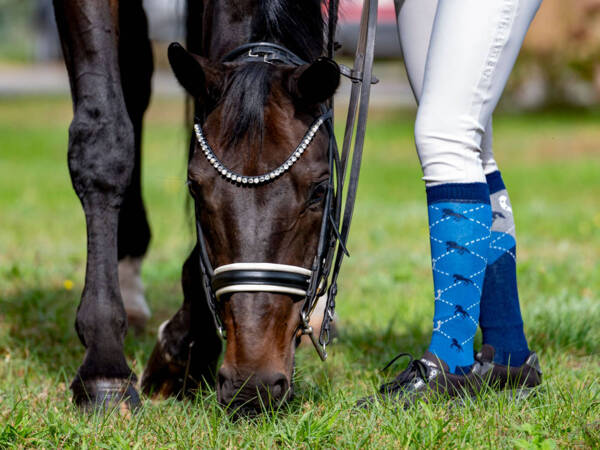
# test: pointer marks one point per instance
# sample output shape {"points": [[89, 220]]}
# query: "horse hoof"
{"points": [[105, 394]]}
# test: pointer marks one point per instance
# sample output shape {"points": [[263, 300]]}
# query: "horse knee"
{"points": [[101, 153]]}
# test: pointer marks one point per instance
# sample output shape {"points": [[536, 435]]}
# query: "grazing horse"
{"points": [[251, 113]]}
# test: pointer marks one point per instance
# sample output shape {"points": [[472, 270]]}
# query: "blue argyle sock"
{"points": [[501, 322], [460, 217]]}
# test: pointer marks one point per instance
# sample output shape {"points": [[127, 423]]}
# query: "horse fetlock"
{"points": [[104, 323], [178, 365]]}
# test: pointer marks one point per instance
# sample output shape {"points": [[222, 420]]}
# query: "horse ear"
{"points": [[316, 82], [193, 72]]}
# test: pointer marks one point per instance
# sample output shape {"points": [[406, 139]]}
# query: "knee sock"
{"points": [[501, 322], [460, 218]]}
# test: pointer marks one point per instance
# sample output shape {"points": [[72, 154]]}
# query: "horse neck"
{"points": [[227, 24]]}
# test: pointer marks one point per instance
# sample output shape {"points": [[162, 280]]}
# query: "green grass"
{"points": [[550, 163]]}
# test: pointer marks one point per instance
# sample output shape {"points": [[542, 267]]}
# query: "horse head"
{"points": [[254, 115]]}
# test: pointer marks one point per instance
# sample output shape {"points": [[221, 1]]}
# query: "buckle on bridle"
{"points": [[308, 331], [264, 56]]}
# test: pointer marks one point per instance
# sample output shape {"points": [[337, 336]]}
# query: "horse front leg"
{"points": [[101, 161]]}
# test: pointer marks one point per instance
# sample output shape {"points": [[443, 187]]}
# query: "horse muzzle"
{"points": [[253, 393]]}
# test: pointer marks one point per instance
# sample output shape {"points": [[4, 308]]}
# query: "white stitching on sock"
{"points": [[464, 342], [505, 251]]}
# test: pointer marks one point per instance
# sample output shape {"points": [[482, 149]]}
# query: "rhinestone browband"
{"points": [[234, 177]]}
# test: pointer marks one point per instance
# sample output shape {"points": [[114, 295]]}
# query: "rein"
{"points": [[304, 285]]}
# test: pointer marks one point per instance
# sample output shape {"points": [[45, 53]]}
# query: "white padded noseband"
{"points": [[239, 277]]}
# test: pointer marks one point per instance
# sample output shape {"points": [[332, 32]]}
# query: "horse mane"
{"points": [[298, 26]]}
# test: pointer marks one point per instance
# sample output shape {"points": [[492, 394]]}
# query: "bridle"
{"points": [[302, 284]]}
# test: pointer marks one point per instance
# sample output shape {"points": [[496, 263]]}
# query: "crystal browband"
{"points": [[258, 179]]}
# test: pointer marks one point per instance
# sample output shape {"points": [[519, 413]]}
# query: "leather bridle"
{"points": [[302, 284]]}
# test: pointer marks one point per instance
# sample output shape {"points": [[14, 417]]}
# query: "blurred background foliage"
{"points": [[17, 24], [559, 65], [562, 53]]}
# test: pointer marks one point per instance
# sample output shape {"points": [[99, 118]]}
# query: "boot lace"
{"points": [[415, 368]]}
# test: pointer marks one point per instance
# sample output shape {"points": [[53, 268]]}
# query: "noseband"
{"points": [[261, 277], [300, 283]]}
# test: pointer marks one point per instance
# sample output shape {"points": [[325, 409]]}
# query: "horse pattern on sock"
{"points": [[460, 239]]}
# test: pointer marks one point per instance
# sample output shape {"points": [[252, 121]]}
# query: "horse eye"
{"points": [[317, 192], [190, 185], [193, 189]]}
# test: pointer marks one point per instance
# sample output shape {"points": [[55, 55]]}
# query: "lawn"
{"points": [[551, 165]]}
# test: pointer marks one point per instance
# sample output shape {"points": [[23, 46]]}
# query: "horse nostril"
{"points": [[253, 393], [277, 386], [224, 386]]}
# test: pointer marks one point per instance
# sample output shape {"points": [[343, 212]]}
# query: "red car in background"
{"points": [[386, 44]]}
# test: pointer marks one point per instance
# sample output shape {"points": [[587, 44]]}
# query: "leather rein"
{"points": [[302, 284]]}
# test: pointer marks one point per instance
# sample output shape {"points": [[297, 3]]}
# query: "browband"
{"points": [[238, 178]]}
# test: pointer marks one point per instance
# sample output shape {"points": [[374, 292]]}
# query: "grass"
{"points": [[551, 165]]}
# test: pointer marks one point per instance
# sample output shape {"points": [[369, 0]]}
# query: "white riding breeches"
{"points": [[459, 55]]}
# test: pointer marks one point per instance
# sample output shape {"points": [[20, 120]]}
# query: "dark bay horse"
{"points": [[251, 113]]}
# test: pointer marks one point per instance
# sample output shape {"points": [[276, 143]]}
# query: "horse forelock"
{"points": [[299, 26]]}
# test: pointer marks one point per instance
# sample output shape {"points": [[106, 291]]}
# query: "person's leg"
{"points": [[453, 223], [500, 317], [471, 52], [415, 22]]}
